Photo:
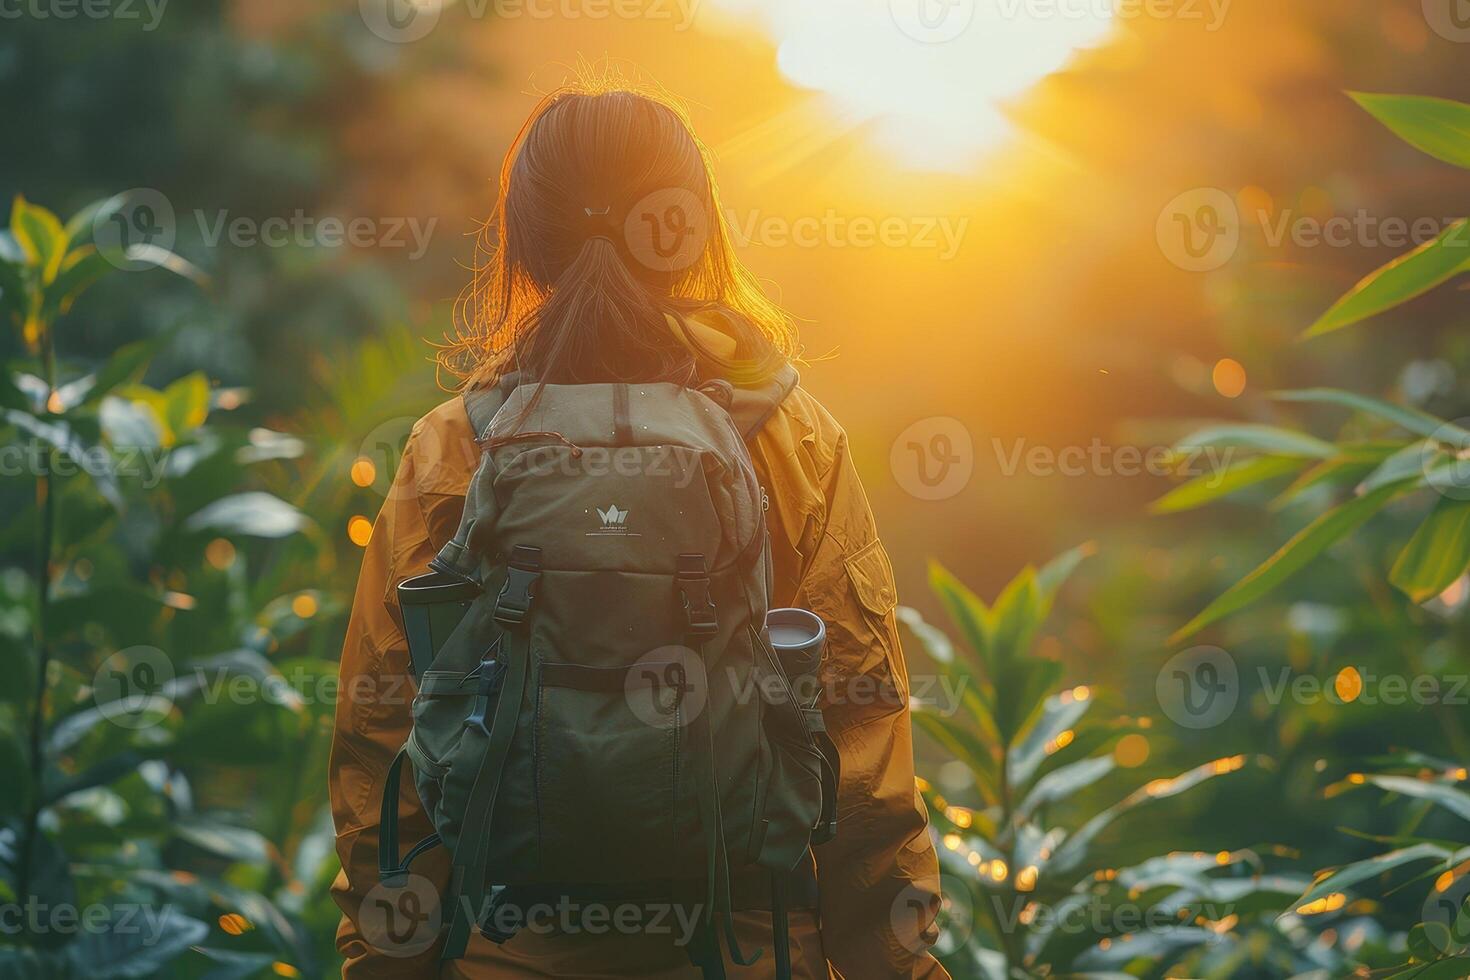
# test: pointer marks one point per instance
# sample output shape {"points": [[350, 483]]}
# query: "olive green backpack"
{"points": [[600, 715]]}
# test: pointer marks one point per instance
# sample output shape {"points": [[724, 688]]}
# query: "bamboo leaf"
{"points": [[1437, 554], [1417, 422], [1268, 439], [1359, 871], [1441, 794], [1211, 486], [1439, 127], [1401, 280], [1293, 556]]}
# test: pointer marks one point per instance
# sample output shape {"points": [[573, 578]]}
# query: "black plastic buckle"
{"points": [[492, 672], [521, 573], [699, 608]]}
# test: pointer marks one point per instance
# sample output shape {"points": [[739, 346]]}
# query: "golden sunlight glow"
{"points": [[220, 553], [1131, 751], [363, 471], [1327, 903], [359, 530], [1063, 739], [1229, 377], [929, 77], [1348, 684], [234, 923]]}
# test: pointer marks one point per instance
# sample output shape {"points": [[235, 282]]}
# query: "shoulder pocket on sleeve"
{"points": [[872, 578], [871, 574]]}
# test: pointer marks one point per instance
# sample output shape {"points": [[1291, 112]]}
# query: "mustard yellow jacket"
{"points": [[876, 878]]}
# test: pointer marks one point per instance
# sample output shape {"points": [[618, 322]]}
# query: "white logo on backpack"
{"points": [[614, 522]]}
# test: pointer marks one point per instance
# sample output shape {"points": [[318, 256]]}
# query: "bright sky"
{"points": [[930, 73]]}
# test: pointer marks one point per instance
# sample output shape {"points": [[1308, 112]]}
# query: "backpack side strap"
{"points": [[481, 404]]}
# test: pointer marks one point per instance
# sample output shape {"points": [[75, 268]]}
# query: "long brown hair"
{"points": [[574, 280]]}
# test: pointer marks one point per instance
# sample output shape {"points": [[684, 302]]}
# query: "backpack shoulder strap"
{"points": [[481, 403], [752, 407]]}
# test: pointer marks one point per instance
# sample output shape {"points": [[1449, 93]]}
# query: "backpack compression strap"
{"points": [[751, 407]]}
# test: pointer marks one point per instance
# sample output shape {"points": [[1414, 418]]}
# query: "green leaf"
{"points": [[162, 258], [1455, 968], [1063, 781], [1333, 472], [79, 271], [136, 952], [1417, 422], [1061, 712], [1293, 556], [961, 743], [254, 513], [1054, 574], [1439, 127], [1415, 461], [225, 840], [1437, 554], [186, 403], [1269, 439], [126, 365], [79, 227], [1442, 794], [1351, 874], [40, 236], [1016, 617], [1212, 486], [968, 611], [1401, 280], [1074, 849]]}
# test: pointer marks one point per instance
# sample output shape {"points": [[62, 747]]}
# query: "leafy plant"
{"points": [[137, 717], [1022, 860], [1417, 451], [1438, 946]]}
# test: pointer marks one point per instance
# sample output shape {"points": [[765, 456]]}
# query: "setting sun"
{"points": [[930, 77]]}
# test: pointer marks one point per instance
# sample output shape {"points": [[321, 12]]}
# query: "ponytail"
{"points": [[599, 322]]}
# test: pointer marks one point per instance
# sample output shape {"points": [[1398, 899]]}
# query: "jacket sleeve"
{"points": [[879, 877], [385, 932]]}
